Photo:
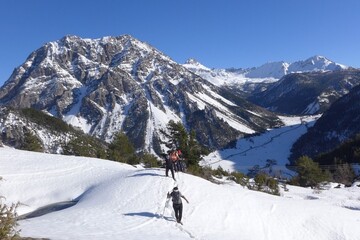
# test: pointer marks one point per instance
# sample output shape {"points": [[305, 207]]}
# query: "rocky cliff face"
{"points": [[307, 93], [338, 124], [113, 84]]}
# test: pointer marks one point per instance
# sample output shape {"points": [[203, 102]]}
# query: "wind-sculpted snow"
{"points": [[118, 201]]}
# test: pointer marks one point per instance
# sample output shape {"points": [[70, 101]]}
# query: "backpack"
{"points": [[180, 166], [173, 156], [176, 197]]}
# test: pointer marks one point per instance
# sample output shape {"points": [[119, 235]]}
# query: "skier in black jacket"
{"points": [[169, 166], [177, 203]]}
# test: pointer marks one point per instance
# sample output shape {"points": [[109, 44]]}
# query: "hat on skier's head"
{"points": [[175, 189]]}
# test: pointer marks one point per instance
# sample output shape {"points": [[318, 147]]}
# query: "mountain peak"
{"points": [[70, 38], [193, 64], [192, 61], [111, 84], [318, 59], [315, 64]]}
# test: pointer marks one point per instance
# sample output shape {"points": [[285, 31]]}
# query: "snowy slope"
{"points": [[117, 201], [275, 144]]}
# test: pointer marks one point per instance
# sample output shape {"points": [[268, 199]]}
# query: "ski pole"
{"points": [[166, 203]]}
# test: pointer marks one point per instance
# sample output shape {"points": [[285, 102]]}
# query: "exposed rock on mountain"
{"points": [[113, 84], [338, 124], [247, 79], [33, 130], [307, 93]]}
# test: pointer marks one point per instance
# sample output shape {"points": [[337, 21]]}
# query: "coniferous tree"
{"points": [[179, 138], [149, 160], [31, 143], [86, 146], [122, 150], [309, 172]]}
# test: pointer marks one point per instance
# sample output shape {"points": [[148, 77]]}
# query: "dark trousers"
{"points": [[171, 168], [178, 208]]}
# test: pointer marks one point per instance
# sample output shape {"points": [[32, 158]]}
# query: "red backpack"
{"points": [[173, 156]]}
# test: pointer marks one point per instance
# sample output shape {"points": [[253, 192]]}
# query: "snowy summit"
{"points": [[268, 72]]}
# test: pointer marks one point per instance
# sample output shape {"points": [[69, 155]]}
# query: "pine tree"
{"points": [[309, 172], [179, 138], [31, 143], [122, 150]]}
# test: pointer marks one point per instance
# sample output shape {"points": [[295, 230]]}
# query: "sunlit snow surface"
{"points": [[118, 201], [275, 144]]}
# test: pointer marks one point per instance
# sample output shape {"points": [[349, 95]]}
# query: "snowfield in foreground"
{"points": [[118, 201]]}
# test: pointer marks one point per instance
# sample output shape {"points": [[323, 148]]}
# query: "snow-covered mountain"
{"points": [[113, 84], [36, 131], [337, 125], [269, 70], [266, 73], [307, 93], [315, 64], [220, 77], [111, 200]]}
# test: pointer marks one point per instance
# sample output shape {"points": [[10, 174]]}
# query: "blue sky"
{"points": [[218, 33]]}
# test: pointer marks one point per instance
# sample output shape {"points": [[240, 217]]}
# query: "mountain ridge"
{"points": [[307, 93], [337, 125], [114, 84], [267, 72]]}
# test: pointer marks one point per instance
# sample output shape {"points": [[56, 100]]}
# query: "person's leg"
{"points": [[180, 212], [172, 171], [176, 210]]}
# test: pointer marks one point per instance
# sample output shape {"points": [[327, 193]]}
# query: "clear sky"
{"points": [[218, 33]]}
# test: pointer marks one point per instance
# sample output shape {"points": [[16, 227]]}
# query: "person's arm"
{"points": [[184, 198]]}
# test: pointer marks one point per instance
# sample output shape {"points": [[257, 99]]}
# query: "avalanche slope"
{"points": [[118, 201]]}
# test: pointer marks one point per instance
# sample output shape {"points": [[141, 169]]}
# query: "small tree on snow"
{"points": [[8, 221], [309, 172]]}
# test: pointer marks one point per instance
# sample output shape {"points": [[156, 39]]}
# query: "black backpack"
{"points": [[176, 197]]}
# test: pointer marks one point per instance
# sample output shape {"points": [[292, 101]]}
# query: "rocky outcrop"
{"points": [[113, 84], [337, 125], [307, 93]]}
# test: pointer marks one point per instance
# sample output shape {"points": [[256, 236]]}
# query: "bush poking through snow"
{"points": [[266, 183], [8, 221]]}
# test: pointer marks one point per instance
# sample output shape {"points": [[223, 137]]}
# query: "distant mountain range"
{"points": [[112, 84], [103, 86], [306, 93], [271, 71], [302, 87]]}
